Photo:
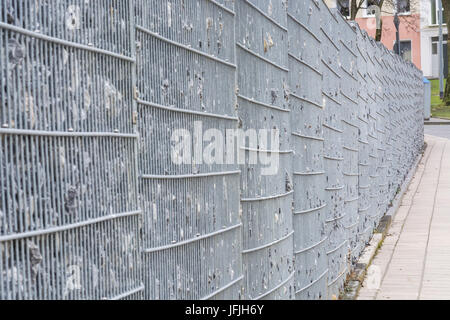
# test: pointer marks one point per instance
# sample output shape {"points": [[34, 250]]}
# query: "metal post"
{"points": [[441, 54]]}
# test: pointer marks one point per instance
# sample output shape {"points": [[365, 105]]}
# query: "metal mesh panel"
{"points": [[96, 204], [186, 81], [305, 81], [372, 212], [66, 112], [350, 105], [364, 204], [391, 127], [263, 104], [380, 132], [337, 244]]}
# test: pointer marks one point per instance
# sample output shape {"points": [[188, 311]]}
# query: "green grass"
{"points": [[438, 108]]}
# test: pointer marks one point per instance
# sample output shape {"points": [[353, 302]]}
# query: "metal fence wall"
{"points": [[93, 204], [333, 81], [305, 82], [261, 44], [67, 154], [364, 160], [185, 78]]}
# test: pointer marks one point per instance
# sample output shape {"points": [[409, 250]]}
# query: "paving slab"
{"points": [[414, 260]]}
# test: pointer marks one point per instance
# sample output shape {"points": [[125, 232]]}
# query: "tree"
{"points": [[446, 7], [387, 7], [357, 5]]}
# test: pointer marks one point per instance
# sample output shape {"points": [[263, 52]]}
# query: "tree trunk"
{"points": [[379, 32], [355, 6], [446, 7], [353, 9]]}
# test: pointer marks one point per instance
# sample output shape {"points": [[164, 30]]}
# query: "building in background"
{"points": [[410, 26], [429, 34]]}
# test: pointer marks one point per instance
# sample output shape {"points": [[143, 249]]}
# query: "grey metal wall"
{"points": [[266, 201], [92, 205], [69, 209], [307, 116], [337, 244], [185, 73], [364, 202]]}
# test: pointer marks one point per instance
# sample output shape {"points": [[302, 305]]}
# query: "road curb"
{"points": [[431, 123], [356, 277], [437, 123]]}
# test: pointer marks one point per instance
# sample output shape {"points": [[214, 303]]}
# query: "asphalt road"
{"points": [[442, 131]]}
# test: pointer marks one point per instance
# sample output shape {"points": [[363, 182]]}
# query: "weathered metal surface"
{"points": [[261, 44], [92, 203], [336, 217], [69, 215], [185, 79], [305, 81], [365, 228], [350, 105]]}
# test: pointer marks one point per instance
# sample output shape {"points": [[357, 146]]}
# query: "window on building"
{"points": [[434, 12], [435, 44], [404, 6], [435, 53], [344, 7], [436, 39], [405, 50], [434, 48]]}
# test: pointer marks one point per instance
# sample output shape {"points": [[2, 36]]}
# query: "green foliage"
{"points": [[439, 109]]}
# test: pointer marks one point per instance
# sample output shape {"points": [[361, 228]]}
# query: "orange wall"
{"points": [[409, 30]]}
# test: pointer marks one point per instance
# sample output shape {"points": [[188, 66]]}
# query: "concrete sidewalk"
{"points": [[414, 260]]}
